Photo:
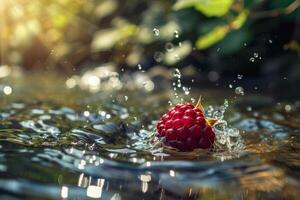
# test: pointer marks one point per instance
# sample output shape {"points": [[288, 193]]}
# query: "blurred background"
{"points": [[213, 41]]}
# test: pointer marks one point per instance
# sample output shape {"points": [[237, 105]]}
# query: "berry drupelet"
{"points": [[185, 128]]}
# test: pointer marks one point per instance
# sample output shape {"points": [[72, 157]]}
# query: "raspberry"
{"points": [[185, 128]]}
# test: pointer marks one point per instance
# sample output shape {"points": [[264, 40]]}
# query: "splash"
{"points": [[227, 138], [178, 86]]}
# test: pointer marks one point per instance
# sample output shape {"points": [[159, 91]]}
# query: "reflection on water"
{"points": [[82, 144]]}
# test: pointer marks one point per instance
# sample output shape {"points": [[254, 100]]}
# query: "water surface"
{"points": [[57, 142]]}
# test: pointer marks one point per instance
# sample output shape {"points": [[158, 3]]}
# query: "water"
{"points": [[59, 142]]}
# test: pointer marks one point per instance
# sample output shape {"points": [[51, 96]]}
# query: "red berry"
{"points": [[184, 127], [191, 113]]}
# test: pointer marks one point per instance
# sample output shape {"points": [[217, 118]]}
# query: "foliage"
{"points": [[212, 8], [68, 34]]}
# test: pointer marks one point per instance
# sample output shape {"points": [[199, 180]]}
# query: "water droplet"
{"points": [[139, 66], [7, 90], [252, 59], [270, 41], [249, 108], [245, 44], [239, 76], [218, 114], [233, 132], [156, 32], [169, 47], [186, 90], [230, 86], [86, 113], [255, 55], [126, 98], [176, 34], [177, 73], [239, 90], [158, 56], [172, 173], [287, 108], [179, 44]]}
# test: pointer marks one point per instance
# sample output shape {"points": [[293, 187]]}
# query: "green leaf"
{"points": [[252, 3], [178, 53], [239, 20], [239, 37], [212, 37], [107, 38], [219, 32], [210, 8], [208, 25]]}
